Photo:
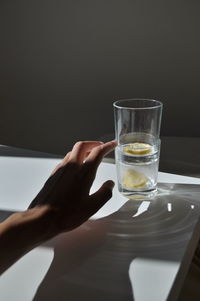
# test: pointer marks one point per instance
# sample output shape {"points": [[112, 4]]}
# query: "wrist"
{"points": [[23, 231], [34, 225]]}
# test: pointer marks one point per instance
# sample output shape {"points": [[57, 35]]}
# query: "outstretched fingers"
{"points": [[78, 153], [81, 150], [92, 162], [99, 198], [96, 155]]}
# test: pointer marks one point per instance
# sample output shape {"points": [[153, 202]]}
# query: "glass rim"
{"points": [[158, 103]]}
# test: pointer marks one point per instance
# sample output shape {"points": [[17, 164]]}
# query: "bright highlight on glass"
{"points": [[137, 130]]}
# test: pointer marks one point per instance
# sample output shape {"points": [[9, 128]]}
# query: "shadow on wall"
{"points": [[63, 63], [8, 151]]}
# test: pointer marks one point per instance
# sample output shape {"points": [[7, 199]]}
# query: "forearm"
{"points": [[23, 231], [67, 193]]}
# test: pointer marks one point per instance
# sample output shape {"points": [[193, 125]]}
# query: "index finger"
{"points": [[81, 149], [97, 154]]}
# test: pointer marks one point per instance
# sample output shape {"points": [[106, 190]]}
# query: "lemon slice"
{"points": [[133, 179], [137, 148]]}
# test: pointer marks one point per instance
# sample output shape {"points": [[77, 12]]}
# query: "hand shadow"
{"points": [[93, 261]]}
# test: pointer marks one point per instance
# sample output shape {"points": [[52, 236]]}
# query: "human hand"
{"points": [[66, 192]]}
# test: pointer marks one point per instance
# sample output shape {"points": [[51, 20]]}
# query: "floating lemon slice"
{"points": [[133, 179], [137, 148]]}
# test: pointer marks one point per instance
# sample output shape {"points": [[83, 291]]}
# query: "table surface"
{"points": [[129, 250]]}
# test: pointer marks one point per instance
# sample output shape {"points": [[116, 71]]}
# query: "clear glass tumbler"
{"points": [[137, 131]]}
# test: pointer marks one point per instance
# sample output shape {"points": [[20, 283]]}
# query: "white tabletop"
{"points": [[130, 250]]}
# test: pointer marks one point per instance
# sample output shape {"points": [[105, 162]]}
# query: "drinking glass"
{"points": [[137, 131]]}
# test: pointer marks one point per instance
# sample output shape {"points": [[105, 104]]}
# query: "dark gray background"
{"points": [[64, 62]]}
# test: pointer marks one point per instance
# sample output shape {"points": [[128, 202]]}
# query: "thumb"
{"points": [[100, 197]]}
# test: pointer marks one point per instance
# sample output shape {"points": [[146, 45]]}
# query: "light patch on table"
{"points": [[151, 279], [142, 208], [169, 207], [20, 281]]}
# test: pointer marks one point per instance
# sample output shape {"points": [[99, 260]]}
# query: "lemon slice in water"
{"points": [[134, 179], [137, 148]]}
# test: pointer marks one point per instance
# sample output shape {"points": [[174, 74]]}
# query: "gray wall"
{"points": [[63, 63]]}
